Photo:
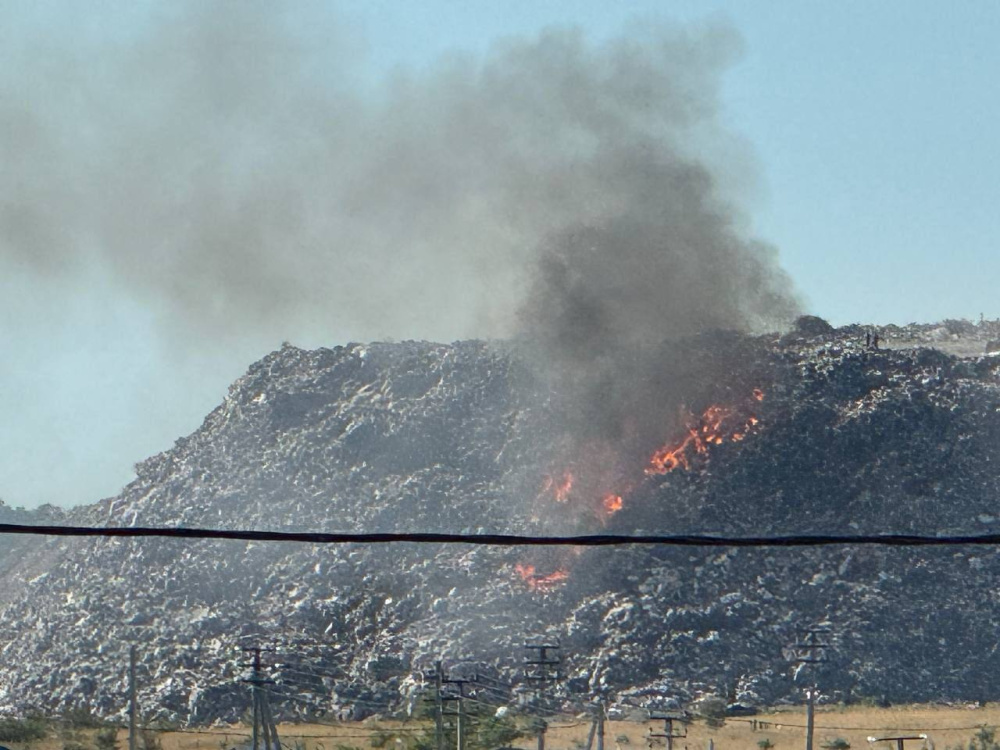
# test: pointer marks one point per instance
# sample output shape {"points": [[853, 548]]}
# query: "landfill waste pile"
{"points": [[814, 431]]}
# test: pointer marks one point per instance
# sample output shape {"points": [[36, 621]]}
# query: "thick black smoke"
{"points": [[228, 163], [661, 255]]}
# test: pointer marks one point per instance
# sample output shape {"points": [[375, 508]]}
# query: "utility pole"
{"points": [[263, 719], [270, 728], [131, 698], [541, 668], [459, 709], [438, 704], [898, 740], [810, 649], [597, 725], [669, 733]]}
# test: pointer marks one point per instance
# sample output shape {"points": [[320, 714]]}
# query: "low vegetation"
{"points": [[984, 739], [23, 731]]}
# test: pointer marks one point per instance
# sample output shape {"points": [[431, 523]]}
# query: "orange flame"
{"points": [[711, 429], [612, 504], [717, 425], [670, 457], [539, 582], [712, 419], [560, 489]]}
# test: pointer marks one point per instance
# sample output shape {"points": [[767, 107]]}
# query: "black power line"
{"points": [[511, 540]]}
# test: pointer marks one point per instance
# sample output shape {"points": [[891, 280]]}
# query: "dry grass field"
{"points": [[785, 729], [945, 726]]}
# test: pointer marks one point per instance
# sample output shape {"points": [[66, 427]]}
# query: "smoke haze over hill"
{"points": [[227, 165]]}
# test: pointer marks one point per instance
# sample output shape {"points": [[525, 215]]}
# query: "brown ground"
{"points": [[945, 727]]}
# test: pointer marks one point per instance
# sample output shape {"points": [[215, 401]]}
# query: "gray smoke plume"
{"points": [[239, 174], [227, 163]]}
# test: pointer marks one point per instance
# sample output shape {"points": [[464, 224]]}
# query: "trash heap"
{"points": [[414, 436]]}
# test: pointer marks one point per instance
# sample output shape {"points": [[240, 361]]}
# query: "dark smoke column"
{"points": [[655, 253]]}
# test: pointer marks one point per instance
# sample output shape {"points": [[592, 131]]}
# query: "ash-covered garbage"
{"points": [[806, 434]]}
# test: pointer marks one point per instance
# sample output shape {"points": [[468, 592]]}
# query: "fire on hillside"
{"points": [[718, 424]]}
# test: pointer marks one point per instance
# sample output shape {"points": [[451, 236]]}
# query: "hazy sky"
{"points": [[858, 139]]}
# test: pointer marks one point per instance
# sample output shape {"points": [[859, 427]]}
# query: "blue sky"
{"points": [[874, 126], [871, 131]]}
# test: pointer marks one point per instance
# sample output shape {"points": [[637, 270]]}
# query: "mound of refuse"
{"points": [[812, 432]]}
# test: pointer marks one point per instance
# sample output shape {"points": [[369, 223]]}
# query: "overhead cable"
{"points": [[509, 540]]}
